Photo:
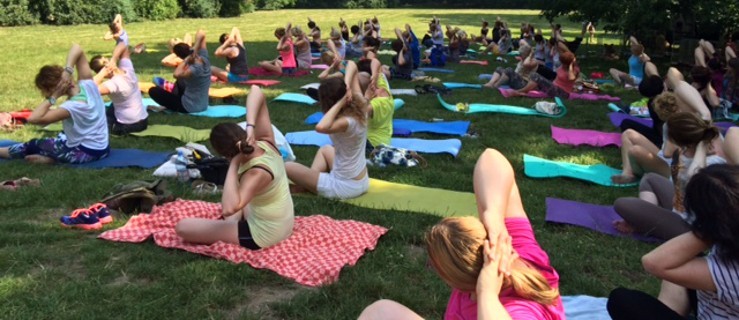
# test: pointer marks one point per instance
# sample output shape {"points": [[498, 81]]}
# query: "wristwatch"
{"points": [[52, 100], [69, 70]]}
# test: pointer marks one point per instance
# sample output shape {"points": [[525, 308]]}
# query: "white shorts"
{"points": [[332, 187]]}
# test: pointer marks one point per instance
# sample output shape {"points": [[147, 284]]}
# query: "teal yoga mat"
{"points": [[217, 111], [295, 97], [461, 85], [480, 107], [536, 167]]}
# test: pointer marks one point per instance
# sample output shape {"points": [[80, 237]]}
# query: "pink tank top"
{"points": [[288, 56]]}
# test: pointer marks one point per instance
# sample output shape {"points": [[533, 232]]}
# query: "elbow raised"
{"points": [[322, 129], [652, 265]]}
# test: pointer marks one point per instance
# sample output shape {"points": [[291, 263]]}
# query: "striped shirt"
{"points": [[724, 303]]}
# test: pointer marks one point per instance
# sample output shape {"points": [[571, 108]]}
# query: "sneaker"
{"points": [[102, 212], [83, 219]]}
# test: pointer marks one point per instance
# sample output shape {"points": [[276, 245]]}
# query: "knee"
{"points": [[618, 300], [377, 310], [184, 228], [622, 205]]}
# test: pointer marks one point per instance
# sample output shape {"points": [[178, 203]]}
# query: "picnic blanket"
{"points": [[578, 137], [481, 107], [397, 196], [450, 146], [313, 255], [591, 216], [536, 167], [117, 158]]}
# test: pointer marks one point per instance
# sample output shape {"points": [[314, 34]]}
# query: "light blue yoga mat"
{"points": [[585, 308], [461, 85], [316, 117], [458, 128], [222, 111], [295, 97], [536, 167], [485, 76], [481, 107], [439, 70], [118, 158], [313, 138]]}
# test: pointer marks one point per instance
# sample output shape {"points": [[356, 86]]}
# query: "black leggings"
{"points": [[630, 304], [121, 129], [649, 219], [170, 100], [647, 131]]}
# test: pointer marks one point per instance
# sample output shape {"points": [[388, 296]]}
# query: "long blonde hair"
{"points": [[455, 250]]}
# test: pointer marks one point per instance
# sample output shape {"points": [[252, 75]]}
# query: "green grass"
{"points": [[51, 272]]}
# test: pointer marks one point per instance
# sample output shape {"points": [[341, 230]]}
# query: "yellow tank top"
{"points": [[270, 213]]}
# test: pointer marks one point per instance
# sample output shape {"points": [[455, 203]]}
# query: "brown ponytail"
{"points": [[687, 129], [229, 139]]}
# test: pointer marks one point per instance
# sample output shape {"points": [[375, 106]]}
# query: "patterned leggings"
{"points": [[548, 87], [55, 148]]}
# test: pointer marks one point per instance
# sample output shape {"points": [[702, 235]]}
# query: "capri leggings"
{"points": [[651, 213]]}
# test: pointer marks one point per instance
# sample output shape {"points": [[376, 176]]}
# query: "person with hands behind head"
{"points": [[117, 79], [285, 63], [190, 93], [85, 135], [116, 31], [232, 48], [495, 266], [257, 205], [338, 171]]}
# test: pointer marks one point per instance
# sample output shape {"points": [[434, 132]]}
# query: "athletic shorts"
{"points": [[332, 187], [236, 78], [245, 238]]}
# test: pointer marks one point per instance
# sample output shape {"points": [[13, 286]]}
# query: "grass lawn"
{"points": [[50, 272]]}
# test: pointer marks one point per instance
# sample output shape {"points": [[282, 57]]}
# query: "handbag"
{"points": [[212, 169]]}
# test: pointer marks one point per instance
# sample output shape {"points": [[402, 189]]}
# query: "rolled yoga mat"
{"points": [[578, 137], [536, 167], [480, 107], [591, 216]]}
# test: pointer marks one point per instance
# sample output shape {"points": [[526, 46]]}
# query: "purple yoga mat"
{"points": [[594, 217], [507, 92], [578, 137], [618, 117], [593, 97]]}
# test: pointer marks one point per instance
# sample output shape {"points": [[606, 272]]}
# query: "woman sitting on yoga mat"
{"points": [[302, 48], [707, 285], [658, 211], [85, 136], [516, 79], [636, 66], [190, 91], [127, 113], [338, 171], [232, 48], [641, 156], [285, 63], [257, 205], [563, 84], [495, 266]]}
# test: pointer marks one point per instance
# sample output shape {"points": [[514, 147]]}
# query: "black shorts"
{"points": [[245, 238]]}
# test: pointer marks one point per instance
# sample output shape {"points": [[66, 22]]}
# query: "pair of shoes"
{"points": [[91, 218]]}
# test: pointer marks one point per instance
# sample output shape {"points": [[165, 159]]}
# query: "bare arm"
{"points": [[675, 261], [76, 58], [329, 123], [496, 192], [183, 70], [120, 52], [237, 194], [199, 40], [43, 114], [236, 36]]}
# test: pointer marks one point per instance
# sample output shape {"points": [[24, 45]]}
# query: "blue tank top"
{"points": [[636, 67]]}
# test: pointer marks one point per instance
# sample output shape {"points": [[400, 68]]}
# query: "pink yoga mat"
{"points": [[313, 255], [319, 66], [593, 97], [578, 137], [478, 62], [531, 94], [259, 71], [594, 217]]}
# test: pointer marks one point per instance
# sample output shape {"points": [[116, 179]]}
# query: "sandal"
{"points": [[202, 187]]}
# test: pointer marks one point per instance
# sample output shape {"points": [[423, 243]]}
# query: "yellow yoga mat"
{"points": [[145, 86], [395, 196], [225, 92], [185, 134]]}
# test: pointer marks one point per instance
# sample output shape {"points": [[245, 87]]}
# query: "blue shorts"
{"points": [[236, 78]]}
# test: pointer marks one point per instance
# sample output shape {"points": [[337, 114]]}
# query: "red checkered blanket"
{"points": [[313, 255]]}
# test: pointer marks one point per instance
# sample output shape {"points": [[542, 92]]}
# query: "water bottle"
{"points": [[183, 175]]}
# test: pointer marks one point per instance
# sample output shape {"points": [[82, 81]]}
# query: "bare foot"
{"points": [[623, 179], [623, 227], [34, 158]]}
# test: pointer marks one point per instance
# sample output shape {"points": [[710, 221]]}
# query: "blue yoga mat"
{"points": [[118, 158], [462, 85], [585, 308], [450, 146], [439, 70], [485, 76], [536, 167], [295, 97], [496, 108], [222, 111], [456, 128], [316, 117]]}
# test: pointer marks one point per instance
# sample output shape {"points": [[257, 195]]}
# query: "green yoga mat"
{"points": [[395, 196], [184, 134], [536, 167], [481, 107]]}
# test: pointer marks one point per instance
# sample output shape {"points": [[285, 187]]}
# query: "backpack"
{"points": [[437, 57], [384, 155], [137, 196], [212, 169]]}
